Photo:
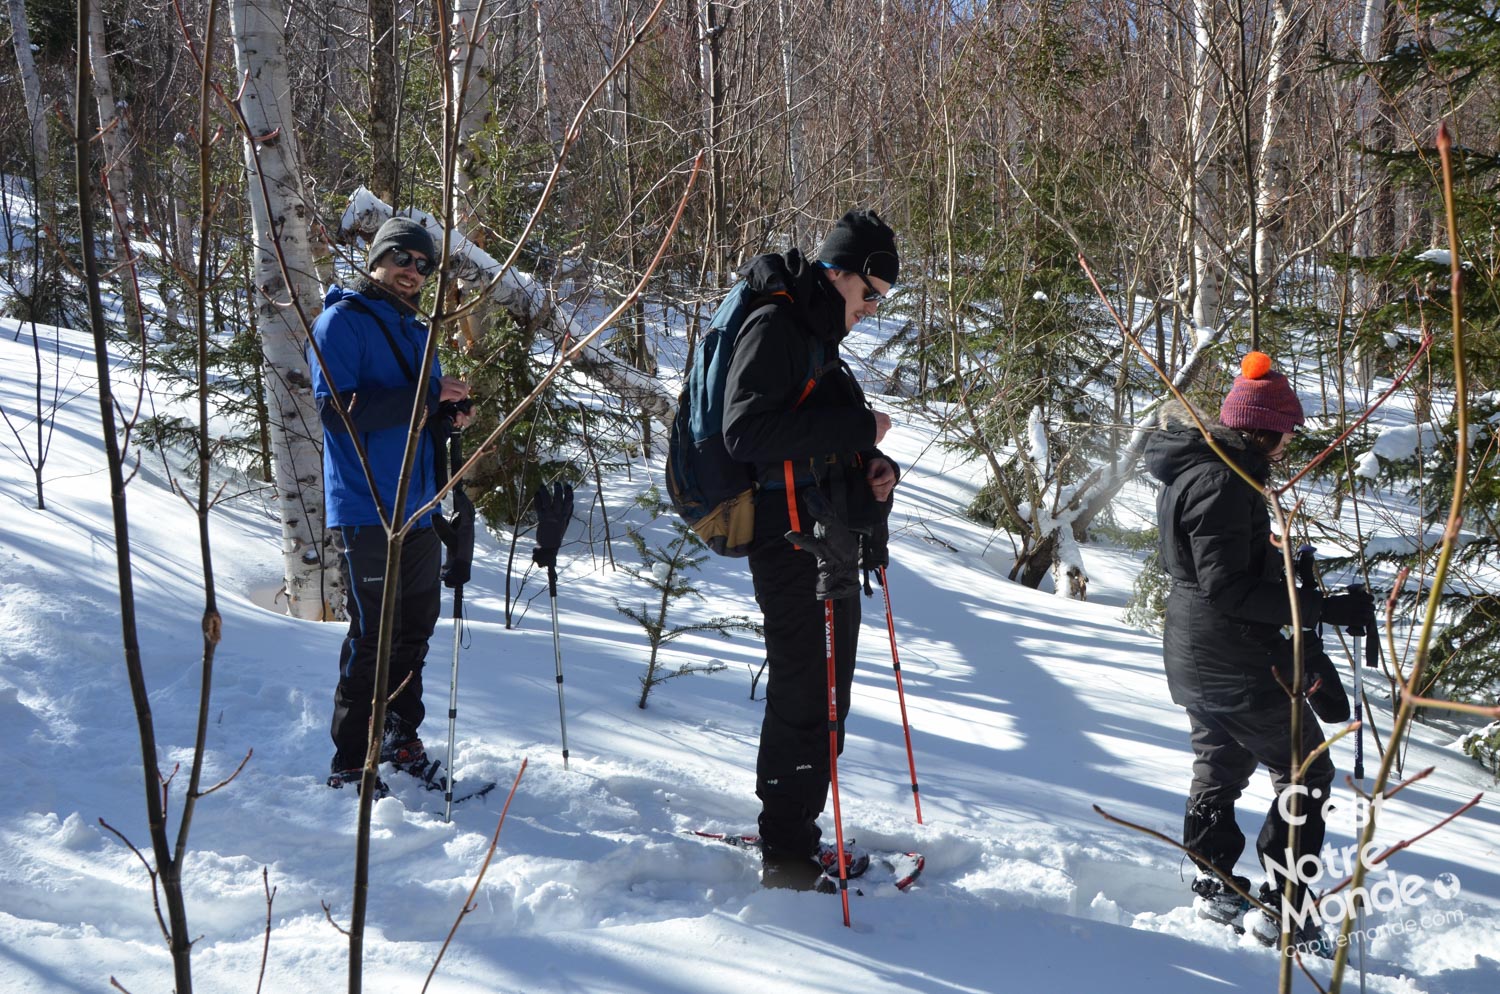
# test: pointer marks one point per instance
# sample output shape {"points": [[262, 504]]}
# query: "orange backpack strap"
{"points": [[787, 469]]}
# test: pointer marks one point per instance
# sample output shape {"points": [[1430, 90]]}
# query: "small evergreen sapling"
{"points": [[1484, 745], [665, 569]]}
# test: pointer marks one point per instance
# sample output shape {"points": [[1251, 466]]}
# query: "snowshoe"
{"points": [[338, 778], [857, 861], [411, 758]]}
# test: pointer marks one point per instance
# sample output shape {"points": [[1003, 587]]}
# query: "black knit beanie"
{"points": [[862, 243], [402, 233]]}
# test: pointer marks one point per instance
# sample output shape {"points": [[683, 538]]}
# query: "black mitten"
{"points": [[873, 551], [1329, 700], [1352, 608], [834, 545], [553, 512], [457, 533]]}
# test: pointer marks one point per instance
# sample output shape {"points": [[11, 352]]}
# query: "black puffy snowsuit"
{"points": [[792, 408], [1223, 638]]}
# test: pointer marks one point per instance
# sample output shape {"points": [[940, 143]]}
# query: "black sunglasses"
{"points": [[874, 296], [403, 258]]}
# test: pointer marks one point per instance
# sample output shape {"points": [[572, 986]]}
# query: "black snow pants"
{"points": [[1227, 748], [791, 770], [418, 603]]}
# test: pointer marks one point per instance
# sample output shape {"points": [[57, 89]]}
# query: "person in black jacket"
{"points": [[795, 412], [1226, 646]]}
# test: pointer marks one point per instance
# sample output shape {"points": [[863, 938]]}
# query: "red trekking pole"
{"points": [[911, 760], [833, 758]]}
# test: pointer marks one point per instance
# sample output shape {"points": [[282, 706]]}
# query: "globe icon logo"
{"points": [[1446, 886]]}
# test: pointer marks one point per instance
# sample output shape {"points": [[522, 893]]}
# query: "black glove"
{"points": [[553, 512], [1309, 594], [873, 551], [1326, 694], [836, 547], [457, 533], [1350, 609]]}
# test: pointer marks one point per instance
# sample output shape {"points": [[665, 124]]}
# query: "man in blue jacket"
{"points": [[371, 345]]}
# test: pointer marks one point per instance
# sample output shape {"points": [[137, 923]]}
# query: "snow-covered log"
{"points": [[532, 304]]}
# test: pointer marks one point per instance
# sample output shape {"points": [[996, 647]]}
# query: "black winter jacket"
{"points": [[1228, 601], [829, 436]]}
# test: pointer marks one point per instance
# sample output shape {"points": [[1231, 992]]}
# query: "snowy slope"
{"points": [[1026, 710]]}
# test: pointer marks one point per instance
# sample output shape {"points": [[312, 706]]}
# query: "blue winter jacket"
{"points": [[362, 367]]}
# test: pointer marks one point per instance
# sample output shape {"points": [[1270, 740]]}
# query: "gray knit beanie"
{"points": [[402, 233]]}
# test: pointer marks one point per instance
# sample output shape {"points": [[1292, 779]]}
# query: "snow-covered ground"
{"points": [[1026, 710]]}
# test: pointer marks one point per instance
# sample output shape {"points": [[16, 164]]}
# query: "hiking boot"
{"points": [[789, 872], [1309, 939], [411, 758], [338, 778], [1216, 901]]}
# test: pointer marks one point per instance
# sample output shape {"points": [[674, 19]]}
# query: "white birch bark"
{"points": [[544, 82], [1366, 174], [1203, 182], [31, 90], [1272, 181], [529, 302], [281, 219], [794, 163], [113, 136], [474, 81]]}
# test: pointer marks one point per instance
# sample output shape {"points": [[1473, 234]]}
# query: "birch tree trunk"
{"points": [[31, 89], [1272, 183], [1203, 183], [383, 172], [713, 109], [280, 218], [115, 140], [1368, 177], [794, 164], [474, 85], [544, 83]]}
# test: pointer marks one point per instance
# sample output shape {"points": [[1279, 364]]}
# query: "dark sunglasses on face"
{"points": [[403, 258], [872, 295]]}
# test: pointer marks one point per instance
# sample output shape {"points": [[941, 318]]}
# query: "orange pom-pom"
{"points": [[1255, 365]]}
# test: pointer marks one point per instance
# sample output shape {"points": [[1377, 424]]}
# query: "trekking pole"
{"points": [[911, 761], [833, 757], [562, 711], [1359, 634], [458, 614], [457, 534], [554, 510]]}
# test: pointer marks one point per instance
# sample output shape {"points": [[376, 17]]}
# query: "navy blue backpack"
{"points": [[708, 488]]}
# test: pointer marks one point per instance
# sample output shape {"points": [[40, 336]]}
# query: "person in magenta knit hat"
{"points": [[1227, 659]]}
